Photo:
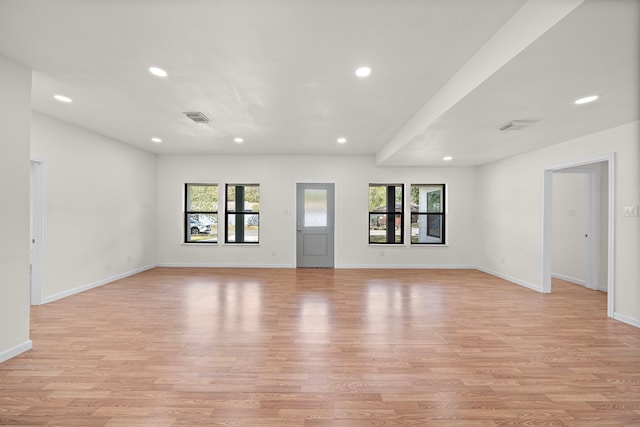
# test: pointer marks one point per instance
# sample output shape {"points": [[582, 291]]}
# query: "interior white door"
{"points": [[315, 225]]}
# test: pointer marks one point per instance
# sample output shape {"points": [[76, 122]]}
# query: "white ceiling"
{"points": [[280, 73]]}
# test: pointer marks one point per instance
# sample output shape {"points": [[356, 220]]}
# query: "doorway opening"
{"points": [[578, 225]]}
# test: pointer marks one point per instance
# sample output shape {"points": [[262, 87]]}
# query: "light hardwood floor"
{"points": [[317, 347]]}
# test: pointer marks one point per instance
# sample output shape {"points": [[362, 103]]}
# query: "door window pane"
{"points": [[315, 207]]}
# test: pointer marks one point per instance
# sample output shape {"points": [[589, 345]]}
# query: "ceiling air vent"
{"points": [[197, 117], [517, 124]]}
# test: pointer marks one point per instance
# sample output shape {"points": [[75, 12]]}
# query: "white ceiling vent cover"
{"points": [[517, 124], [197, 117]]}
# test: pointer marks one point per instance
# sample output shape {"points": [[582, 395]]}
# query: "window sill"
{"points": [[408, 245], [200, 244]]}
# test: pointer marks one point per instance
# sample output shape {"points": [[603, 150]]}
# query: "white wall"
{"points": [[100, 213], [15, 112], [569, 225], [277, 176], [510, 212]]}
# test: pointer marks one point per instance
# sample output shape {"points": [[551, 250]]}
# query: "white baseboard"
{"points": [[602, 288], [626, 319], [568, 279], [345, 266], [407, 266], [536, 288], [210, 265], [86, 287], [14, 351]]}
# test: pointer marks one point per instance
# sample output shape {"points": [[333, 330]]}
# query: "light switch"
{"points": [[631, 211]]}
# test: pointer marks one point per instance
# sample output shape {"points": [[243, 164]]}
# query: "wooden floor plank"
{"points": [[324, 347]]}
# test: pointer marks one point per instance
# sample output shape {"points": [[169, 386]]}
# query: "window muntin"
{"points": [[386, 213], [201, 213], [427, 214], [242, 214]]}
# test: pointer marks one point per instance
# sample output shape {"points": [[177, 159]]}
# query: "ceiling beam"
{"points": [[530, 22]]}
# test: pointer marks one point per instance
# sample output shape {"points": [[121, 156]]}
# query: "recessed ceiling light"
{"points": [[238, 140], [585, 100], [63, 98], [156, 140], [363, 71], [158, 72], [447, 158], [341, 140]]}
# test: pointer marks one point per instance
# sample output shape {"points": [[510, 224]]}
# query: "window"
{"points": [[201, 213], [427, 214], [243, 213], [386, 205], [315, 207]]}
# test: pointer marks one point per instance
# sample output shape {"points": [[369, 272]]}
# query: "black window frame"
{"points": [[239, 213], [393, 209], [441, 215], [188, 212]]}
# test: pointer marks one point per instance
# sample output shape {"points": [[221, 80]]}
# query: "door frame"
{"points": [[547, 215], [37, 203], [295, 218]]}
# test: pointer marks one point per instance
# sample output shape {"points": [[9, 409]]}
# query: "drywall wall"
{"points": [[277, 176], [510, 212], [100, 208], [569, 225], [15, 113]]}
